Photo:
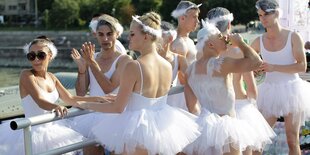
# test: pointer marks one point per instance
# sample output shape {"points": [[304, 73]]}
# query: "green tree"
{"points": [[243, 10], [64, 13], [46, 18], [143, 6]]}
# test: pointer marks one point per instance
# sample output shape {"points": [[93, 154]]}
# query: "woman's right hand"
{"points": [[77, 58], [61, 111], [235, 39]]}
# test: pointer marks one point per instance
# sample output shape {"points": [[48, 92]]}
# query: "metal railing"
{"points": [[26, 123]]}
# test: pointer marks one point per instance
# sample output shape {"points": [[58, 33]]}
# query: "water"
{"points": [[10, 76]]}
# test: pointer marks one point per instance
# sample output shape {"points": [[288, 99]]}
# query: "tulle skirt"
{"points": [[218, 133], [44, 137], [246, 110], [177, 100], [84, 123], [283, 98], [160, 130]]}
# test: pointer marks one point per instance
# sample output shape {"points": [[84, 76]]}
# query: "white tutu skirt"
{"points": [[160, 130], [218, 133], [246, 110], [283, 98], [177, 100], [44, 137], [84, 123]]}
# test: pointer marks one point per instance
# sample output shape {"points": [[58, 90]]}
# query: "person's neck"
{"points": [[148, 49], [274, 31], [182, 32], [42, 73], [107, 53], [210, 53]]}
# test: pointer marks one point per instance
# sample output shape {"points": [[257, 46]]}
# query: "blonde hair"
{"points": [[151, 19]]}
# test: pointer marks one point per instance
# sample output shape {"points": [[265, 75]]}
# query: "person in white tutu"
{"points": [[187, 14], [283, 92], [146, 125], [209, 80], [99, 72], [245, 98], [178, 62], [39, 91]]}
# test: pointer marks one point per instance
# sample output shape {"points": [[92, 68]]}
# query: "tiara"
{"points": [[49, 45], [229, 17], [207, 30], [118, 27], [146, 28], [177, 13]]}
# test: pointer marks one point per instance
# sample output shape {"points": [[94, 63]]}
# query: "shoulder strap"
{"points": [[141, 77]]}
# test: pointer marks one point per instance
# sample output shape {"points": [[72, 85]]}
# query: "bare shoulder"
{"points": [[132, 67], [256, 44], [179, 45], [296, 37], [25, 74]]}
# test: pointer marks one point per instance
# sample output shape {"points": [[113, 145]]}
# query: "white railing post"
{"points": [[28, 140]]}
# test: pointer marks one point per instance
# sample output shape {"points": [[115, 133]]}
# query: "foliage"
{"points": [[243, 10], [64, 13], [61, 14], [143, 6]]}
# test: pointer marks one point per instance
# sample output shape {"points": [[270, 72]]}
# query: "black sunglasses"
{"points": [[32, 55]]}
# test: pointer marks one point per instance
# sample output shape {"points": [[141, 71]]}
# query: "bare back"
{"points": [[156, 74]]}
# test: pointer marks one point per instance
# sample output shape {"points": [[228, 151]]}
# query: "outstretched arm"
{"points": [[128, 80]]}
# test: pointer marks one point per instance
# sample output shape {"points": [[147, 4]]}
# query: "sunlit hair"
{"points": [[204, 34], [43, 40], [150, 24], [168, 29], [269, 6], [108, 20], [220, 17], [182, 8]]}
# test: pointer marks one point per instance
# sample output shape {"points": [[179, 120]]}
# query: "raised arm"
{"points": [[106, 84], [250, 61], [82, 82]]}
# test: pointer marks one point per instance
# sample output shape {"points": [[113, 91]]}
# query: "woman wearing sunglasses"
{"points": [[39, 91]]}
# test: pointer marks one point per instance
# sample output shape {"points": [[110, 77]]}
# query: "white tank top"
{"points": [[175, 68], [94, 87], [281, 57]]}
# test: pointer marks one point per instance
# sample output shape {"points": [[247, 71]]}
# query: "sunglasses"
{"points": [[32, 55]]}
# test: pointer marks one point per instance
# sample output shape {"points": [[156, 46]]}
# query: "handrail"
{"points": [[45, 118], [26, 123]]}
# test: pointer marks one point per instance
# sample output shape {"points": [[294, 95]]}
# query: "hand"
{"points": [[235, 39], [77, 58], [267, 67], [88, 51], [61, 111]]}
